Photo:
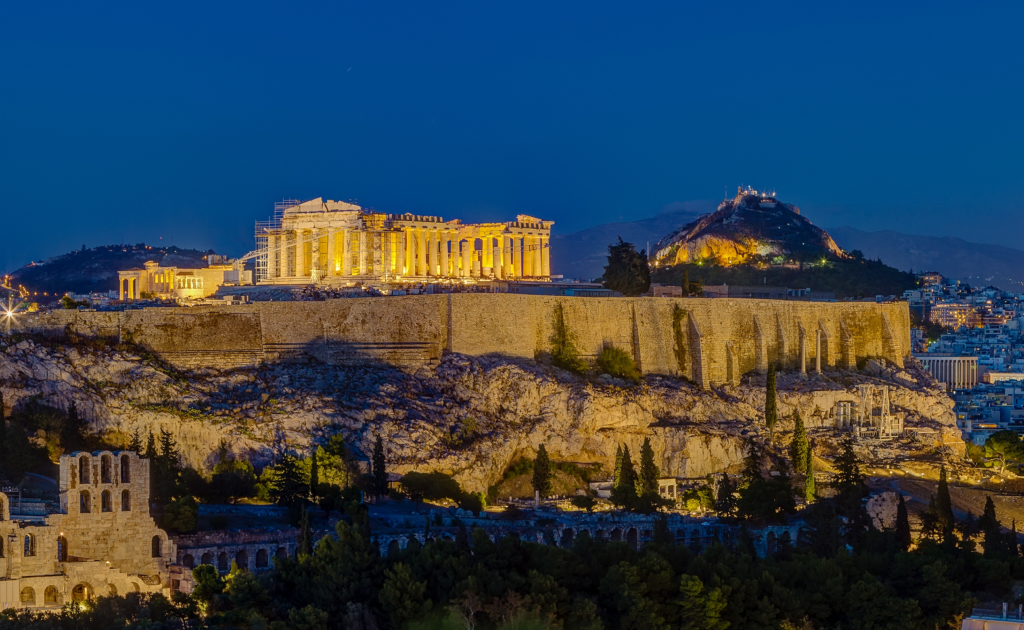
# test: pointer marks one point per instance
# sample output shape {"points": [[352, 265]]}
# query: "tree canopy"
{"points": [[628, 271]]}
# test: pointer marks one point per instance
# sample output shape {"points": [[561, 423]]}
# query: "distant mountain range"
{"points": [[974, 263], [582, 254], [89, 270]]}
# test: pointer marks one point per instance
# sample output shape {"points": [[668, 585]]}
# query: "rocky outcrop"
{"points": [[467, 416]]}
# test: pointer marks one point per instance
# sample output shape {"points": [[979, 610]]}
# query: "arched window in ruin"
{"points": [[126, 501], [135, 587], [30, 545], [261, 559], [207, 558], [62, 549], [81, 593], [83, 469], [393, 548], [222, 561], [51, 596], [126, 469], [111, 590], [242, 559], [28, 596], [156, 547], [106, 469], [281, 552], [188, 561], [84, 502], [631, 537], [105, 502]]}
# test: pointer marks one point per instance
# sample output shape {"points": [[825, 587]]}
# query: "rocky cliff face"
{"points": [[467, 416]]}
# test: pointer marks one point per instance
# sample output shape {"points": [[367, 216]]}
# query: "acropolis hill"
{"points": [[420, 369]]}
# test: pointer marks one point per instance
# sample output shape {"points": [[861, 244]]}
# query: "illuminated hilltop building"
{"points": [[335, 242]]}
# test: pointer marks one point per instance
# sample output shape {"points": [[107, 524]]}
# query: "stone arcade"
{"points": [[338, 242], [102, 542]]}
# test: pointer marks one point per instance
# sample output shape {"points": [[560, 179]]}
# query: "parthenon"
{"points": [[336, 242]]}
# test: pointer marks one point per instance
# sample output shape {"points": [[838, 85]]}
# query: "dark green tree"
{"points": [[624, 494], [902, 525], [628, 271], [725, 500], [314, 477], [686, 282], [944, 506], [771, 405], [617, 475], [402, 596], [305, 535], [1004, 447], [798, 447], [380, 473], [810, 487], [151, 452], [647, 479], [542, 472], [135, 444], [289, 486]]}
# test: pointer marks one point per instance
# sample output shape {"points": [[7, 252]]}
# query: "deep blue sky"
{"points": [[187, 121]]}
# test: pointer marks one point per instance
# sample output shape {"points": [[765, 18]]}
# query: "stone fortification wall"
{"points": [[710, 341]]}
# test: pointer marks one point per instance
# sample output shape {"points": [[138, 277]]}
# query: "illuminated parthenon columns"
{"points": [[341, 240]]}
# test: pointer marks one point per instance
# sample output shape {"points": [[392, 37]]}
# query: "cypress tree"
{"points": [[725, 501], [1012, 548], [810, 489], [944, 506], [314, 476], [616, 478], [686, 282], [542, 472], [627, 477], [902, 525], [798, 448], [306, 536], [771, 406], [289, 486], [647, 480], [380, 473]]}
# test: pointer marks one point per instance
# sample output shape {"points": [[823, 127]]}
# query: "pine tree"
{"points": [[135, 444], [1012, 548], [798, 448], [380, 473], [944, 506], [771, 406], [725, 500], [151, 447], [618, 466], [647, 480], [167, 467], [753, 462], [542, 472], [810, 489], [289, 486], [314, 476], [902, 525]]}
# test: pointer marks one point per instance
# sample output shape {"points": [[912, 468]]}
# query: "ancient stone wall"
{"points": [[710, 341]]}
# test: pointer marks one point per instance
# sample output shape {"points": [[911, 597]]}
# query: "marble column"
{"points": [[432, 252], [467, 260], [803, 354], [496, 259], [545, 265], [362, 253], [445, 239], [487, 256], [421, 252], [400, 257], [332, 263], [300, 254], [346, 263], [538, 258], [517, 257], [528, 255]]}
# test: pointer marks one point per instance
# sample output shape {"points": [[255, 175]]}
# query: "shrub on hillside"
{"points": [[617, 362]]}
